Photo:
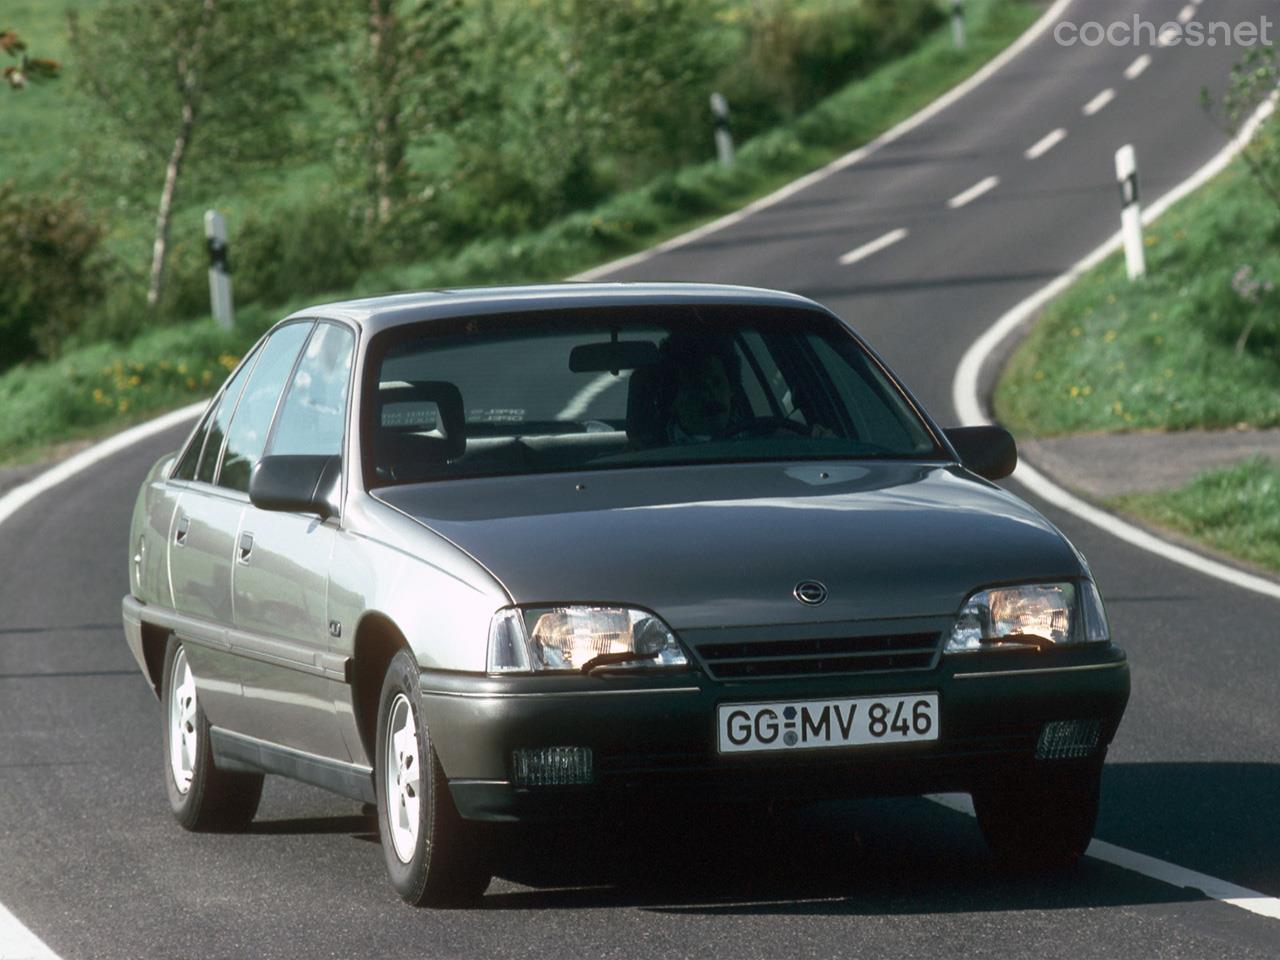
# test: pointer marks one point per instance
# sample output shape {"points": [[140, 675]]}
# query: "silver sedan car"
{"points": [[531, 553]]}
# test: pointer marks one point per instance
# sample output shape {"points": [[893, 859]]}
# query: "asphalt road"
{"points": [[91, 861]]}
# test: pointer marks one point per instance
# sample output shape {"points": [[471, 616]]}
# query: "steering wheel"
{"points": [[761, 426]]}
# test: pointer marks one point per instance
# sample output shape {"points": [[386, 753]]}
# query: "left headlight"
{"points": [[524, 639], [1032, 616]]}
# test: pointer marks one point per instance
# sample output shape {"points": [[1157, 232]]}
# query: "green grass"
{"points": [[1111, 355], [92, 390], [1236, 510]]}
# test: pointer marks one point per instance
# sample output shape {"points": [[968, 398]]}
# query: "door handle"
{"points": [[180, 533], [246, 547]]}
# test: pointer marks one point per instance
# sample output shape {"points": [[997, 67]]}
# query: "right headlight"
{"points": [[1031, 616], [577, 638]]}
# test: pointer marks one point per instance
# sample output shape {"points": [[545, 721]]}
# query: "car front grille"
{"points": [[749, 660]]}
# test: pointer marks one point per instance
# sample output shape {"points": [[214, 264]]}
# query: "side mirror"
{"points": [[297, 484], [988, 451]]}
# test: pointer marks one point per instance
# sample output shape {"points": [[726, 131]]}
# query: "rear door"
{"points": [[200, 543], [281, 572]]}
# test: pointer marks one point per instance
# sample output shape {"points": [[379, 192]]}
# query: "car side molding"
{"points": [[234, 751]]}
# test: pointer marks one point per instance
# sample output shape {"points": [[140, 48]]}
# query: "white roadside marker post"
{"points": [[1131, 211], [957, 24], [215, 231], [724, 139]]}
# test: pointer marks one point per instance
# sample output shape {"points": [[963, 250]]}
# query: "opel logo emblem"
{"points": [[810, 592]]}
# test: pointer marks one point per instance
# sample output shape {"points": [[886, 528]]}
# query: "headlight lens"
{"points": [[570, 638], [1034, 616]]}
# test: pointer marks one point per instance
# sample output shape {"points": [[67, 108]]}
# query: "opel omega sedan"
{"points": [[518, 554]]}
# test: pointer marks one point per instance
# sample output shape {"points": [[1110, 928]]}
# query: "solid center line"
{"points": [[1098, 102], [1138, 67], [1170, 873], [1187, 13], [875, 246], [1046, 143], [973, 193]]}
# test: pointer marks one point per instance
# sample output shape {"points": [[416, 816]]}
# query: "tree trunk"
{"points": [[189, 89], [386, 139], [164, 212]]}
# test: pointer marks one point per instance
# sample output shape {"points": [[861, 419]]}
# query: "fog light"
{"points": [[551, 766], [1068, 739]]}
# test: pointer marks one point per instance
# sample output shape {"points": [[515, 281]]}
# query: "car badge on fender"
{"points": [[810, 592]]}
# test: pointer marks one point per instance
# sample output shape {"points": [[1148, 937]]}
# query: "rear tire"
{"points": [[1040, 820], [202, 797], [434, 857]]}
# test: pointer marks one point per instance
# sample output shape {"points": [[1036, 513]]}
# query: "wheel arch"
{"points": [[377, 640], [154, 641]]}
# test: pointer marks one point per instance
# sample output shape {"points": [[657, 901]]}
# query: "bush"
{"points": [[48, 273]]}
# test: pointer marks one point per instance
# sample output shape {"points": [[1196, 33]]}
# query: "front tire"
{"points": [[434, 857], [1040, 820], [202, 797]]}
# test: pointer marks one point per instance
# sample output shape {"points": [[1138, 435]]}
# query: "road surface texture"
{"points": [[93, 864]]}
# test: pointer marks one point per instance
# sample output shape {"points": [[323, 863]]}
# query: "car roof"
{"points": [[378, 313]]}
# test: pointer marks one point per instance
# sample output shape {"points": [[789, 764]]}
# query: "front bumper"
{"points": [[656, 736]]}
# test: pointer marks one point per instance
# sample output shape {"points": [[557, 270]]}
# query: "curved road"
{"points": [[92, 863]]}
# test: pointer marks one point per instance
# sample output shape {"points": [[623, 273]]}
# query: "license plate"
{"points": [[812, 724]]}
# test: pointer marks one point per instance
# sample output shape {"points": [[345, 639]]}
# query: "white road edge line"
{"points": [[875, 246], [11, 502], [1046, 143], [1161, 870], [1098, 102], [19, 943], [973, 193], [1034, 32], [967, 400], [1187, 14], [20, 496], [1138, 67]]}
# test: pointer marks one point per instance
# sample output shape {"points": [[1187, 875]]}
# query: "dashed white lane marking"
{"points": [[967, 399], [1046, 143], [1167, 38], [1187, 13], [973, 193], [19, 943], [1100, 101], [1138, 67], [1165, 872], [875, 246], [1048, 19]]}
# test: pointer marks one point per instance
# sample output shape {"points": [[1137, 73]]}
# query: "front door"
{"points": [[281, 572]]}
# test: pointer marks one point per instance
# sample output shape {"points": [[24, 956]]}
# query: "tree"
{"points": [[1255, 80], [27, 69], [206, 85], [407, 88]]}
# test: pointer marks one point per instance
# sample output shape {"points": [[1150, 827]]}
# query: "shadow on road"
{"points": [[903, 856]]}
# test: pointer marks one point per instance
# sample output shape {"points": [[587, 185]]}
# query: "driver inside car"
{"points": [[707, 402], [702, 406]]}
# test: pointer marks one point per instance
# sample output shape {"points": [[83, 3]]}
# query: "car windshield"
{"points": [[595, 390]]}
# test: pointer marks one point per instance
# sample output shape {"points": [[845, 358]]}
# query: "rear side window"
{"points": [[191, 459], [314, 411], [247, 434]]}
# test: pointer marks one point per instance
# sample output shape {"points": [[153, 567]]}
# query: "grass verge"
{"points": [[98, 389], [1161, 354], [1236, 510]]}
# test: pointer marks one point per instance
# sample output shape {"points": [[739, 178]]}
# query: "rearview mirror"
{"points": [[988, 451], [613, 356], [297, 484]]}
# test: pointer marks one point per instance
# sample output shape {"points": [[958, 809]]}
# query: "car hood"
{"points": [[726, 545]]}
